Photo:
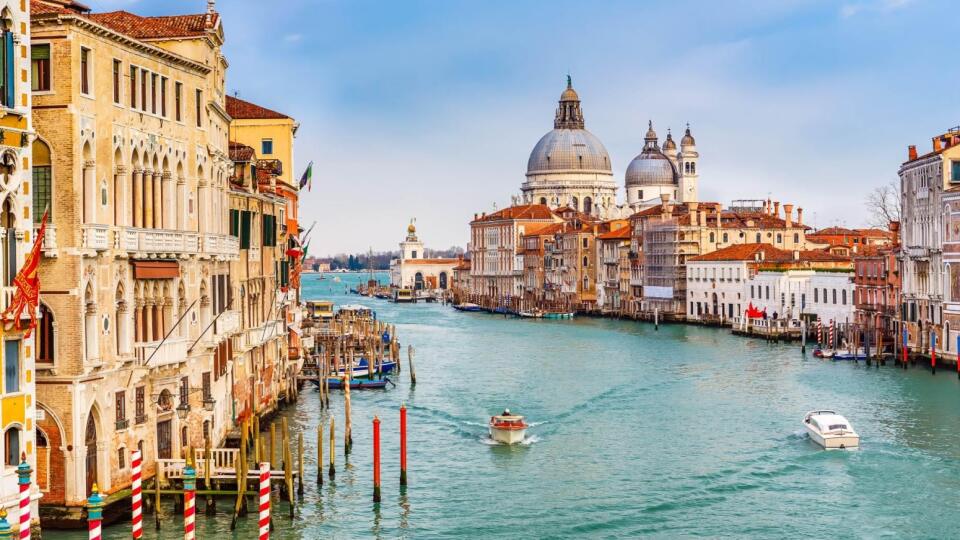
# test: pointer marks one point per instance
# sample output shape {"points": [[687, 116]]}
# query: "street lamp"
{"points": [[183, 410], [209, 403]]}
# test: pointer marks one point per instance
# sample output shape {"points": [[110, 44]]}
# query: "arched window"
{"points": [[712, 237], [779, 238], [758, 238], [11, 446], [575, 203], [586, 262], [725, 238], [588, 205], [543, 201], [693, 168], [8, 220], [42, 181], [43, 461], [46, 351], [796, 238], [8, 92]]}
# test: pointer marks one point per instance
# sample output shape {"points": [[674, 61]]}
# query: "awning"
{"points": [[155, 269]]}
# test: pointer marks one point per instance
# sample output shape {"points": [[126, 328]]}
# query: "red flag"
{"points": [[27, 282]]}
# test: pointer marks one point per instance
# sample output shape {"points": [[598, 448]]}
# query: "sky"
{"points": [[429, 109]]}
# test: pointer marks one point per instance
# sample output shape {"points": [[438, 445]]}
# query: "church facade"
{"points": [[411, 270], [570, 167]]}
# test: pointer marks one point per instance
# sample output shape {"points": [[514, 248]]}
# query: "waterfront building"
{"points": [[569, 166], [135, 283], [665, 236], [877, 289], [923, 180], [496, 258], [257, 358], [20, 219], [784, 284], [537, 240], [613, 275], [271, 134], [413, 270], [951, 264]]}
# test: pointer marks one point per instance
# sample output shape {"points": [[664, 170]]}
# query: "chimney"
{"points": [[764, 207], [776, 209], [788, 214], [799, 216], [911, 152], [936, 144], [692, 210]]}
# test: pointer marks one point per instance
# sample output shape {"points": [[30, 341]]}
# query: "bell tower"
{"points": [[689, 170], [412, 247]]}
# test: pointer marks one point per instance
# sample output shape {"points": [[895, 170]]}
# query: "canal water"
{"points": [[685, 431]]}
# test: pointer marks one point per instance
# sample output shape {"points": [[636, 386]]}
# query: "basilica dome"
{"points": [[652, 167], [568, 149], [569, 146]]}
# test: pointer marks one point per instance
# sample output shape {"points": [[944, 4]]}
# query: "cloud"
{"points": [[877, 6]]}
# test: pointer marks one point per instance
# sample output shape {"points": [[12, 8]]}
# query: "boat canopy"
{"points": [[830, 422]]}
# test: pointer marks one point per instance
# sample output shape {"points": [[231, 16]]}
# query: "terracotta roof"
{"points": [[244, 110], [240, 152], [741, 252], [623, 233], [525, 211], [748, 252], [173, 26], [38, 7], [540, 229]]}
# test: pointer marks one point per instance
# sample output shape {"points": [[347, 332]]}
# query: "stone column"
{"points": [[157, 200], [202, 203], [148, 321], [138, 322], [147, 199], [181, 203], [137, 200], [119, 196], [123, 334], [89, 192], [90, 330], [168, 217]]}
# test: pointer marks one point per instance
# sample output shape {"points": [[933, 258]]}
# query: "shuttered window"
{"points": [[245, 229], [40, 67], [234, 222], [284, 273], [269, 230], [7, 78]]}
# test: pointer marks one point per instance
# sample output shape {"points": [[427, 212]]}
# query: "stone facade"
{"points": [[136, 279], [411, 270]]}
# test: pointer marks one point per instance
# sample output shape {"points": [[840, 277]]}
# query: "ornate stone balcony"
{"points": [[254, 337], [159, 243], [228, 323], [96, 237], [172, 351], [221, 245]]}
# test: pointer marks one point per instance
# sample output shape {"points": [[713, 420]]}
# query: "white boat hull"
{"points": [[830, 442], [507, 436]]}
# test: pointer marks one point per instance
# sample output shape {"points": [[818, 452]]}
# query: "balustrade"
{"points": [[172, 351]]}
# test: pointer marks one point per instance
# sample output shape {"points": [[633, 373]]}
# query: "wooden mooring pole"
{"points": [[413, 372], [332, 471], [320, 452]]}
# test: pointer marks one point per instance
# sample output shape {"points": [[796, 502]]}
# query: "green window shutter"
{"points": [[245, 229], [234, 222], [284, 273]]}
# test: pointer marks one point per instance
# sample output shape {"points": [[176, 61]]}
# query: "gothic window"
{"points": [[11, 445], [11, 366], [45, 343], [42, 181]]}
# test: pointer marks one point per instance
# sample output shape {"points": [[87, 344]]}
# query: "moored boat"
{"points": [[336, 383], [362, 370], [830, 430], [403, 296], [558, 315], [507, 428], [532, 314], [467, 306]]}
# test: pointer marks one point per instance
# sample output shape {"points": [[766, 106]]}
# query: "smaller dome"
{"points": [[669, 145], [651, 168], [687, 139]]}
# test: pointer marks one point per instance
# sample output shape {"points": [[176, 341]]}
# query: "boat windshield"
{"points": [[834, 427]]}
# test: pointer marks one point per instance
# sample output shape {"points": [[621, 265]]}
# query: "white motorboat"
{"points": [[507, 428], [830, 430]]}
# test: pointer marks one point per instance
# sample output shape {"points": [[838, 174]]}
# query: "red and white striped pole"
{"points": [[819, 332], [95, 513], [23, 472], [833, 325], [189, 502], [264, 517], [137, 495]]}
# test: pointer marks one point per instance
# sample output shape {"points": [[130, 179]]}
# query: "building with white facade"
{"points": [[723, 284], [412, 270], [923, 180]]}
